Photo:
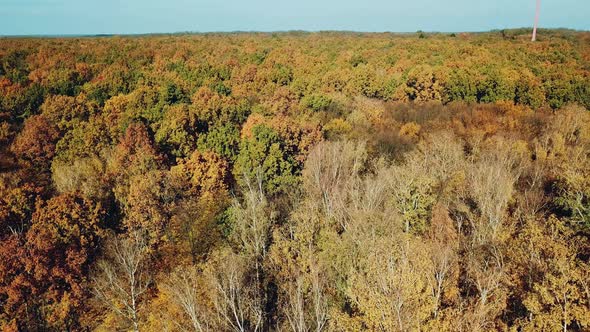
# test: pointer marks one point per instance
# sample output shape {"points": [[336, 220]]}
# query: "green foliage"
{"points": [[65, 82], [14, 66], [221, 88], [557, 94], [494, 87], [33, 98], [573, 196], [221, 139], [259, 56], [316, 102], [263, 155], [529, 93], [357, 60], [281, 75], [171, 94], [582, 91], [460, 86], [88, 139], [23, 104], [176, 133], [118, 79]]}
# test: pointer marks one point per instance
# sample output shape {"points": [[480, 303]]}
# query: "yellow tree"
{"points": [[558, 300]]}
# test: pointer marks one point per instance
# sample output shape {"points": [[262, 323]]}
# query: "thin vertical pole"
{"points": [[537, 14]]}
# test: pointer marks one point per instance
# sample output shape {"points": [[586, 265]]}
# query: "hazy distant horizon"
{"points": [[115, 17], [277, 32]]}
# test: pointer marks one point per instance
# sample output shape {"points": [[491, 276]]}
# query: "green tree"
{"points": [[265, 153]]}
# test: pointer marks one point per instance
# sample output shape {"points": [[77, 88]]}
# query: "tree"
{"points": [[412, 192], [201, 183], [443, 255], [394, 295], [66, 112], [423, 84], [491, 187], [240, 277], [36, 142], [494, 87], [86, 140], [17, 206], [17, 310], [61, 245], [148, 206], [252, 220], [265, 151], [460, 86], [183, 284], [176, 133], [224, 140], [307, 307], [317, 103], [485, 272], [329, 172], [87, 176], [122, 278], [128, 164], [558, 300], [237, 302], [15, 67], [529, 92]]}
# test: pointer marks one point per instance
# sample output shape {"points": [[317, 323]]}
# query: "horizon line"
{"points": [[188, 32]]}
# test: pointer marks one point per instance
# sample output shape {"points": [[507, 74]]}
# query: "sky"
{"points": [[79, 17]]}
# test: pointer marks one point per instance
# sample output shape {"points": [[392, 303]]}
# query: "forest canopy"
{"points": [[296, 181]]}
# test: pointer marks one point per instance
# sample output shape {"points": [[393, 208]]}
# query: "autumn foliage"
{"points": [[295, 181]]}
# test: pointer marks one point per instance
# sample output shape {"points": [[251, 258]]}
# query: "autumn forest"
{"points": [[296, 181]]}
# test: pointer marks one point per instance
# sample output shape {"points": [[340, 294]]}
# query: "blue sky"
{"points": [[51, 17]]}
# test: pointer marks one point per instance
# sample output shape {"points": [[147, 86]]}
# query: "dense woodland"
{"points": [[296, 182]]}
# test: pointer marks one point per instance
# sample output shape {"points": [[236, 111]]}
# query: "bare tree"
{"points": [[320, 304], [122, 277], [491, 181], [307, 309], [443, 253], [237, 302], [253, 219], [239, 277], [328, 173], [182, 285], [296, 308], [485, 270], [441, 155]]}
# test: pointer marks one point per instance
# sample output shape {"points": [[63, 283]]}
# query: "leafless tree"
{"points": [[253, 219], [491, 181], [307, 309], [182, 285], [328, 173], [485, 271], [122, 277], [440, 154], [237, 303], [443, 253]]}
